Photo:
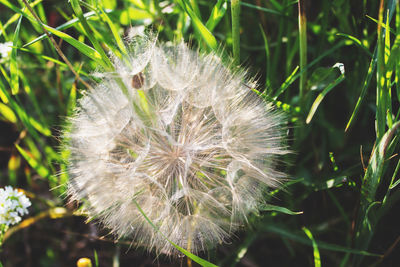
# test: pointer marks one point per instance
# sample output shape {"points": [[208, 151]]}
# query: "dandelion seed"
{"points": [[13, 205], [185, 140]]}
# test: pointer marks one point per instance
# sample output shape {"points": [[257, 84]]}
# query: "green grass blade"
{"points": [[269, 207], [268, 61], [356, 41], [64, 26], [16, 9], [321, 96], [317, 257], [268, 10], [3, 93], [216, 15], [289, 80], [206, 35], [371, 69], [296, 75], [8, 113], [78, 11], [372, 179], [37, 166], [13, 63], [114, 30], [83, 48], [298, 237]]}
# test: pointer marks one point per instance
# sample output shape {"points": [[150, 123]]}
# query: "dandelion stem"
{"points": [[235, 9]]}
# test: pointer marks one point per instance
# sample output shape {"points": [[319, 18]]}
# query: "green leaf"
{"points": [[268, 207]]}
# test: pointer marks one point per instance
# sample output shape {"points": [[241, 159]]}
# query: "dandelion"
{"points": [[176, 133], [13, 205]]}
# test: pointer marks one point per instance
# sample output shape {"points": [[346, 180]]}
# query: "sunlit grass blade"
{"points": [[206, 35], [18, 13], [3, 93], [289, 80], [356, 41], [216, 15], [28, 121], [83, 48], [13, 64], [78, 11], [114, 30], [380, 115], [295, 74], [317, 257], [64, 26], [371, 70], [321, 96], [16, 9], [36, 165], [7, 113]]}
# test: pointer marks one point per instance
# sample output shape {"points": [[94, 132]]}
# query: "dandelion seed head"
{"points": [[177, 133]]}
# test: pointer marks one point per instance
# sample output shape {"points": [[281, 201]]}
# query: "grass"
{"points": [[338, 208]]}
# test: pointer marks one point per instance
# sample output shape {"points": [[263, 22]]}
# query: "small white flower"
{"points": [[180, 135], [5, 49], [13, 205]]}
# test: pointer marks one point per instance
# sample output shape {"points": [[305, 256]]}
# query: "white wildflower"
{"points": [[179, 135], [5, 49], [13, 205]]}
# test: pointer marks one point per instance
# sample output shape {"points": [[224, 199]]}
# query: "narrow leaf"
{"points": [[268, 207], [13, 62]]}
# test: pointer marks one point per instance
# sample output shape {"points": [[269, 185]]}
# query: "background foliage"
{"points": [[334, 70]]}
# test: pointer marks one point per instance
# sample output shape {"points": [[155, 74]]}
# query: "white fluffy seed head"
{"points": [[178, 134]]}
